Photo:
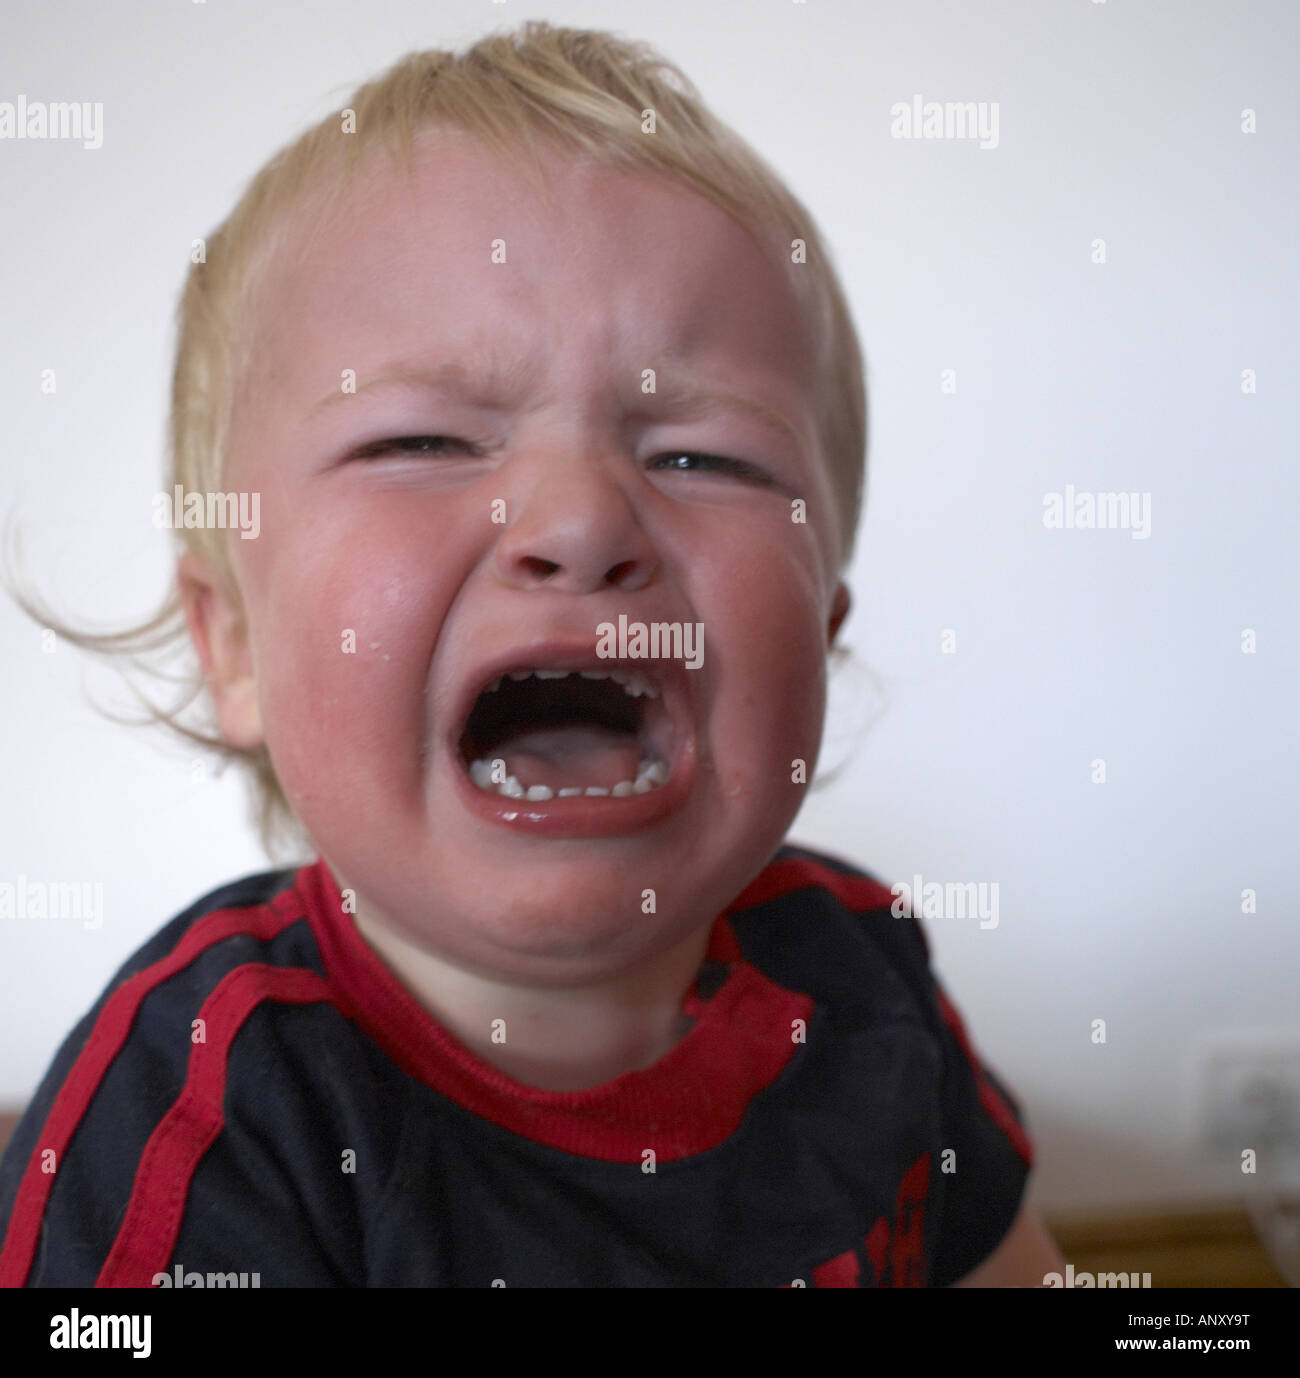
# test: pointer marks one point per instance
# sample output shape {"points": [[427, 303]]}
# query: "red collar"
{"points": [[689, 1101]]}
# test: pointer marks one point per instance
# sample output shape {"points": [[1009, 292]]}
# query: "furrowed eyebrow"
{"points": [[493, 378], [676, 396], [681, 400]]}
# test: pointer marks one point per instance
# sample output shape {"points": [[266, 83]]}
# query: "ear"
{"points": [[840, 606], [220, 636]]}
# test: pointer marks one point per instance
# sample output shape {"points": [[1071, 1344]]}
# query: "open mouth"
{"points": [[546, 734]]}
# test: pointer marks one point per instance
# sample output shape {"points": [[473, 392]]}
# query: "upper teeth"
{"points": [[633, 683]]}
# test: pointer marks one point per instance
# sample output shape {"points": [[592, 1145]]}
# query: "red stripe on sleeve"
{"points": [[145, 1241], [106, 1040], [994, 1106]]}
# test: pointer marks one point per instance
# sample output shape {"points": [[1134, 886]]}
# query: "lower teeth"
{"points": [[649, 775]]}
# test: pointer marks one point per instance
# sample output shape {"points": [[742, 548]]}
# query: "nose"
{"points": [[572, 525]]}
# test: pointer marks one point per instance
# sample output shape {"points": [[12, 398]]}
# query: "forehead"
{"points": [[597, 266]]}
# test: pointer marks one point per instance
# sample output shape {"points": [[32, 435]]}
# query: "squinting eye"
{"points": [[413, 444], [730, 466], [435, 445]]}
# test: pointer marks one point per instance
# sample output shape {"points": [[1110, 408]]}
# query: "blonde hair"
{"points": [[578, 91]]}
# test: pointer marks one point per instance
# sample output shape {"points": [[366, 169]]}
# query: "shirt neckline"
{"points": [[690, 1100]]}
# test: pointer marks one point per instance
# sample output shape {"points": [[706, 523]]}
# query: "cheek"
{"points": [[770, 658], [343, 648]]}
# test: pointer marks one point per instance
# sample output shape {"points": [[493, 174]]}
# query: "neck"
{"points": [[554, 1038]]}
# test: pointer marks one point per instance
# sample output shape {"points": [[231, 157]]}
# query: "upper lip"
{"points": [[670, 677]]}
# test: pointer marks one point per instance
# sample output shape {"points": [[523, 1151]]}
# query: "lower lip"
{"points": [[582, 815]]}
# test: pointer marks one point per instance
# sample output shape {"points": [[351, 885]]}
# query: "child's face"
{"points": [[612, 276]]}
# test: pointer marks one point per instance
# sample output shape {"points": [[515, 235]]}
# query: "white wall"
{"points": [[1120, 121]]}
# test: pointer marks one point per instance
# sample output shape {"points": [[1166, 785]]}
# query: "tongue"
{"points": [[572, 754]]}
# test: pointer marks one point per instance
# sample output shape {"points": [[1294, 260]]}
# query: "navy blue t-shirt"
{"points": [[255, 1093]]}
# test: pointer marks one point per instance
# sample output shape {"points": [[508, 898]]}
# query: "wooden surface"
{"points": [[1192, 1248]]}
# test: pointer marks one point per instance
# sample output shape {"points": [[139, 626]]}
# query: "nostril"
{"points": [[534, 564]]}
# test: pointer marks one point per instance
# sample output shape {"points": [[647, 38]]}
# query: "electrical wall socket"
{"points": [[1249, 1097]]}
